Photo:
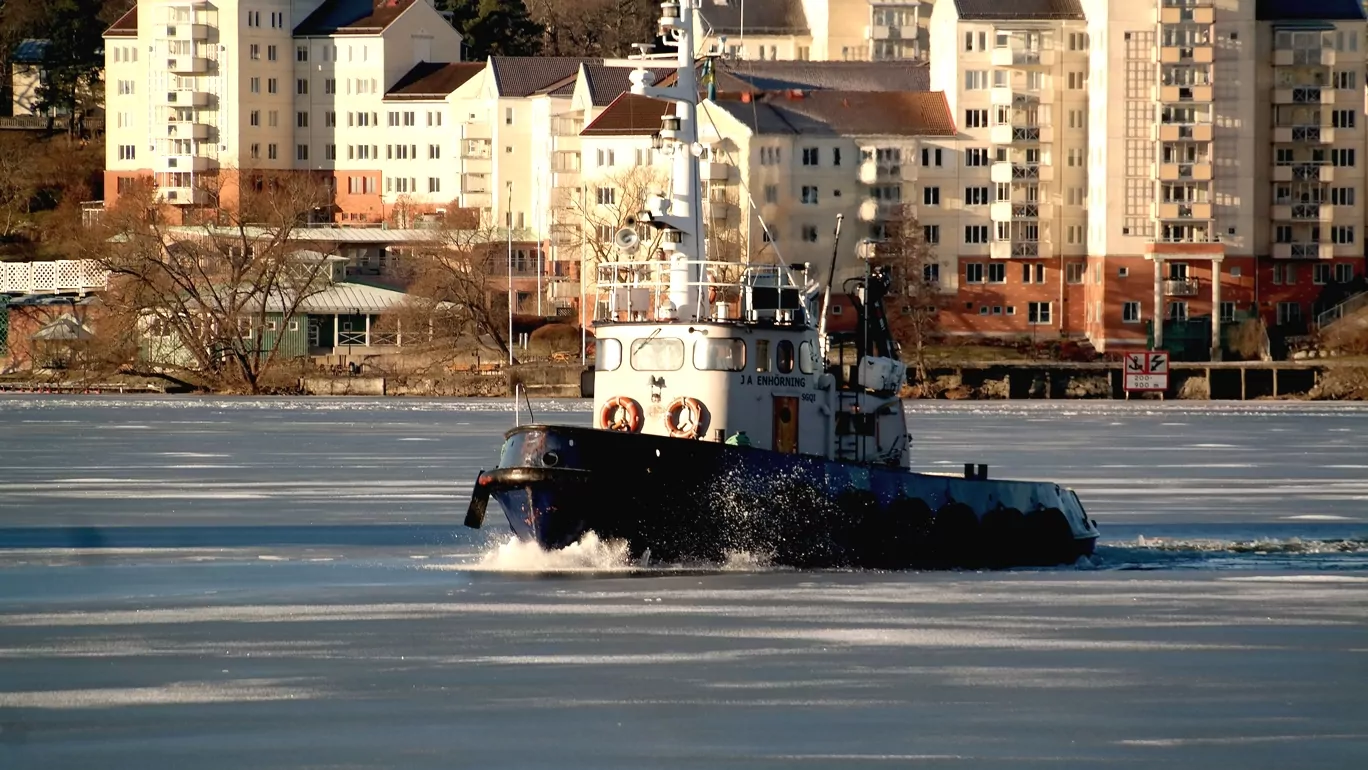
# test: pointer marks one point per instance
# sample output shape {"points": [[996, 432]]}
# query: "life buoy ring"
{"points": [[686, 418], [622, 414]]}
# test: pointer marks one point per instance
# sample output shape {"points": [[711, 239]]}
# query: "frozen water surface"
{"points": [[284, 583]]}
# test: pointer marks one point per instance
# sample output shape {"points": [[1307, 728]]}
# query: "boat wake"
{"points": [[1146, 553], [591, 555]]}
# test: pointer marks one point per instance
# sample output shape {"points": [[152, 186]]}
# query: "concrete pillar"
{"points": [[1216, 309], [368, 330], [337, 325], [1275, 382], [1158, 301]]}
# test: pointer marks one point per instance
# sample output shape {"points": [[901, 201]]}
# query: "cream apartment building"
{"points": [[1176, 157], [815, 30], [200, 92]]}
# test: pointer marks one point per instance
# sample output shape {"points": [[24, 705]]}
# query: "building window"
{"points": [[769, 156], [128, 152], [997, 272], [508, 116], [254, 85], [301, 86], [976, 156], [1342, 157], [301, 53], [1289, 313], [301, 152], [931, 273], [330, 85], [330, 152], [1038, 312], [254, 118], [271, 151], [1346, 80], [1130, 313], [931, 196], [1076, 81], [809, 195], [1227, 311], [255, 151], [1342, 118], [976, 233], [434, 184], [1073, 272], [809, 233], [973, 272], [607, 196], [835, 156], [270, 53], [271, 86], [931, 233], [976, 118], [254, 52], [273, 118], [1341, 196], [771, 193], [809, 156], [1178, 311], [976, 196], [1320, 274], [932, 156], [1342, 234], [434, 151], [975, 80], [1033, 272]]}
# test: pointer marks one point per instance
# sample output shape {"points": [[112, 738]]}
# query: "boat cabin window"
{"points": [[658, 354], [609, 355], [762, 361], [807, 357], [784, 355], [726, 355]]}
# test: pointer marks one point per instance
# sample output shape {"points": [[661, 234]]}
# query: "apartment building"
{"points": [[1162, 160], [815, 30], [198, 93]]}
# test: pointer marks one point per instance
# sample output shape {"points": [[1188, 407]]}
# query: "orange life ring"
{"points": [[696, 422], [621, 414]]}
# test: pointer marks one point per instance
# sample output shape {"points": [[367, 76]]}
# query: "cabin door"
{"points": [[785, 424]]}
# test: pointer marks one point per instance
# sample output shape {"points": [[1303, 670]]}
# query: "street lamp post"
{"points": [[508, 224]]}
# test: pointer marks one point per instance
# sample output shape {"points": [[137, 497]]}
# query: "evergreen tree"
{"points": [[496, 27]]}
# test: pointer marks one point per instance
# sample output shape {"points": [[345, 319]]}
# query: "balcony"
{"points": [[1198, 172], [1019, 249], [1186, 15], [186, 98], [1303, 134], [1017, 134], [1182, 132], [712, 171], [1186, 287], [476, 130], [1195, 54], [1008, 211], [873, 172], [476, 149], [888, 32], [1304, 95], [187, 65], [1019, 171], [184, 129], [565, 179], [1304, 172], [185, 31], [1303, 212], [183, 196], [1304, 57], [1303, 250], [561, 126], [1182, 211], [874, 210], [1007, 96], [170, 163], [1022, 57], [1183, 94]]}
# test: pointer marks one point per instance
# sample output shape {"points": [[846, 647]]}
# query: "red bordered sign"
{"points": [[1146, 371]]}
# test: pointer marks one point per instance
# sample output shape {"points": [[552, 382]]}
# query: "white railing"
{"points": [[58, 277], [635, 290]]}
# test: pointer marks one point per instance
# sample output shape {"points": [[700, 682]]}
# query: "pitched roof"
{"points": [[1308, 10], [64, 328], [1019, 9], [629, 115], [433, 80], [352, 17], [608, 83], [762, 17], [126, 26], [349, 297], [757, 76], [29, 51], [526, 75], [847, 113]]}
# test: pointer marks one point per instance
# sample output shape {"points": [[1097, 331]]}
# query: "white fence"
{"points": [[63, 276]]}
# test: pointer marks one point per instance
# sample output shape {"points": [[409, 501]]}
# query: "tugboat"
{"points": [[726, 419]]}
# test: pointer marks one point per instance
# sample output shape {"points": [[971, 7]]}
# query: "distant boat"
{"points": [[727, 420]]}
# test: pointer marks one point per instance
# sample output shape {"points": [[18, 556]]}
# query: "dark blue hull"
{"points": [[688, 501]]}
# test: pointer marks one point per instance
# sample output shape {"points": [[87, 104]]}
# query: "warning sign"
{"points": [[1146, 371]]}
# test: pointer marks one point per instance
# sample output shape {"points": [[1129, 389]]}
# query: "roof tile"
{"points": [[352, 17], [433, 80], [1019, 9]]}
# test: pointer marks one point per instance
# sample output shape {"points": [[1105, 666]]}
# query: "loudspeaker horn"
{"points": [[627, 240]]}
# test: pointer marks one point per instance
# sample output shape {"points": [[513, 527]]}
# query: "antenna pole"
{"points": [[826, 295]]}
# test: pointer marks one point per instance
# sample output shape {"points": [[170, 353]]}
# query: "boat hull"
{"points": [[694, 501]]}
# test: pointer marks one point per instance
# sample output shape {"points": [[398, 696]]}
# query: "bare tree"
{"points": [[458, 288], [912, 305], [204, 293]]}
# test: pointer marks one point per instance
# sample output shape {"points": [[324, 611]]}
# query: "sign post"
{"points": [[1146, 372]]}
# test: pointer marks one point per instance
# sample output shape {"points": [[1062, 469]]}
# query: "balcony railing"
{"points": [[1183, 287]]}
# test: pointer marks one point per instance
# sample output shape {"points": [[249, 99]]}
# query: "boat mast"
{"points": [[682, 220]]}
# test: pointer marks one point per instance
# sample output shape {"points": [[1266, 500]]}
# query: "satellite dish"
{"points": [[627, 240]]}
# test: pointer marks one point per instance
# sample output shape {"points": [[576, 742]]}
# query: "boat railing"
{"points": [[636, 290]]}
